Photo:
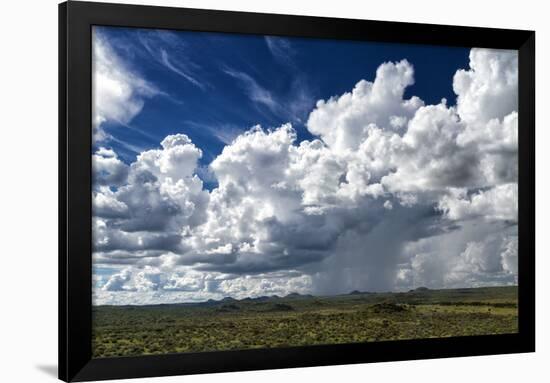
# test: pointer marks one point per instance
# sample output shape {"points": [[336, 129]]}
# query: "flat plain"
{"points": [[299, 320]]}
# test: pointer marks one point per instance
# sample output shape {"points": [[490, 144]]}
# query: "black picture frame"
{"points": [[75, 232]]}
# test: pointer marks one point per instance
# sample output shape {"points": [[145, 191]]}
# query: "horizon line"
{"points": [[296, 294]]}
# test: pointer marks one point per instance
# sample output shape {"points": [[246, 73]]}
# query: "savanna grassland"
{"points": [[298, 320]]}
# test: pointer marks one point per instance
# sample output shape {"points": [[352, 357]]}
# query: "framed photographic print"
{"points": [[246, 191]]}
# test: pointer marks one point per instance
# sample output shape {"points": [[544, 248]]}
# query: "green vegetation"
{"points": [[298, 320]]}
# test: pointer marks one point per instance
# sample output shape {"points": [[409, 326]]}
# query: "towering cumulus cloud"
{"points": [[390, 194]]}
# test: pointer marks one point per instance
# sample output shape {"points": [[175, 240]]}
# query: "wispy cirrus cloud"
{"points": [[301, 96], [118, 92], [137, 149], [179, 69], [225, 133], [281, 49], [255, 91], [155, 42], [292, 105]]}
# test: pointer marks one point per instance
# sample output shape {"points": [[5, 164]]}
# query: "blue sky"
{"points": [[214, 86]]}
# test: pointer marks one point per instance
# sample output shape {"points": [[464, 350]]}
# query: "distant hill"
{"points": [[228, 299], [419, 289], [298, 295]]}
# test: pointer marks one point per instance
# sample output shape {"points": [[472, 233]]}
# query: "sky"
{"points": [[246, 165]]}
